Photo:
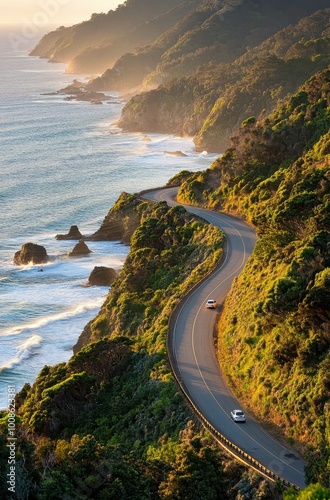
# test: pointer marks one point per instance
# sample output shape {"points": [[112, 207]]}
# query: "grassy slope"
{"points": [[274, 341]]}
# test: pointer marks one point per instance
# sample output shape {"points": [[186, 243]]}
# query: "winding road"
{"points": [[193, 352]]}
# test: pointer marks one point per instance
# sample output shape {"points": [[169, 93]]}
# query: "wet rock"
{"points": [[102, 276], [31, 253], [80, 249], [73, 234], [120, 222]]}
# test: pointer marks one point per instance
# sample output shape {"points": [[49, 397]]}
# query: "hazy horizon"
{"points": [[49, 13]]}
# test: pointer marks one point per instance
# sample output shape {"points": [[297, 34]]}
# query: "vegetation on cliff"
{"points": [[116, 400], [110, 423], [204, 32], [95, 45], [216, 98], [202, 66], [222, 31], [274, 334]]}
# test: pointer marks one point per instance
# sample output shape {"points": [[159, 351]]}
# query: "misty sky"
{"points": [[43, 13]]}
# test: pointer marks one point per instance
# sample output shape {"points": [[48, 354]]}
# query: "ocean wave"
{"points": [[24, 351], [31, 266], [53, 318]]}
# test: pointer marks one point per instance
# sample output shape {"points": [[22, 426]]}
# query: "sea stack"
{"points": [[73, 234], [80, 249], [31, 253], [102, 276]]}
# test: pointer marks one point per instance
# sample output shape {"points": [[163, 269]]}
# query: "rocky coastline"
{"points": [[111, 423], [118, 225], [77, 91]]}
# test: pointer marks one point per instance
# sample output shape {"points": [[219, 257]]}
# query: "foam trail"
{"points": [[24, 351], [81, 308]]}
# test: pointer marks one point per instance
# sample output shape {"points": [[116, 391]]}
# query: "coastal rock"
{"points": [[152, 114], [73, 234], [77, 91], [31, 253], [102, 276], [80, 249], [83, 339], [121, 221], [175, 153]]}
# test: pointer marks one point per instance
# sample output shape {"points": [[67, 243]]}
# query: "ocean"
{"points": [[62, 163]]}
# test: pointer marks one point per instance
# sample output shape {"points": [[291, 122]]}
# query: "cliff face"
{"points": [[121, 221], [160, 111], [214, 101], [199, 67], [95, 45]]}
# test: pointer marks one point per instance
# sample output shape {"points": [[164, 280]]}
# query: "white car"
{"points": [[237, 416], [211, 304]]}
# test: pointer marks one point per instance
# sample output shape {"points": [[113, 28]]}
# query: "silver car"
{"points": [[211, 304], [237, 416]]}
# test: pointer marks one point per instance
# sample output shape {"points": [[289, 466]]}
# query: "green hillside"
{"points": [[95, 45], [218, 97], [274, 341], [251, 79], [224, 30], [110, 423], [202, 66], [203, 32]]}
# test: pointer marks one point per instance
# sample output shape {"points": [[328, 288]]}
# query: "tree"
{"points": [[312, 492]]}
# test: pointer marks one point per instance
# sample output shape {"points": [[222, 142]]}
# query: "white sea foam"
{"points": [[24, 350], [53, 318]]}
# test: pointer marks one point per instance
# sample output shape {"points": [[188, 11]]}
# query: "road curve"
{"points": [[194, 354]]}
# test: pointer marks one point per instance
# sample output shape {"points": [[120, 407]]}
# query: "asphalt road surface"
{"points": [[194, 353]]}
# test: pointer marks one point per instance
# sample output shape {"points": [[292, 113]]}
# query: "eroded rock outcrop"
{"points": [[102, 276], [31, 253], [80, 249], [73, 234], [120, 222], [77, 91]]}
